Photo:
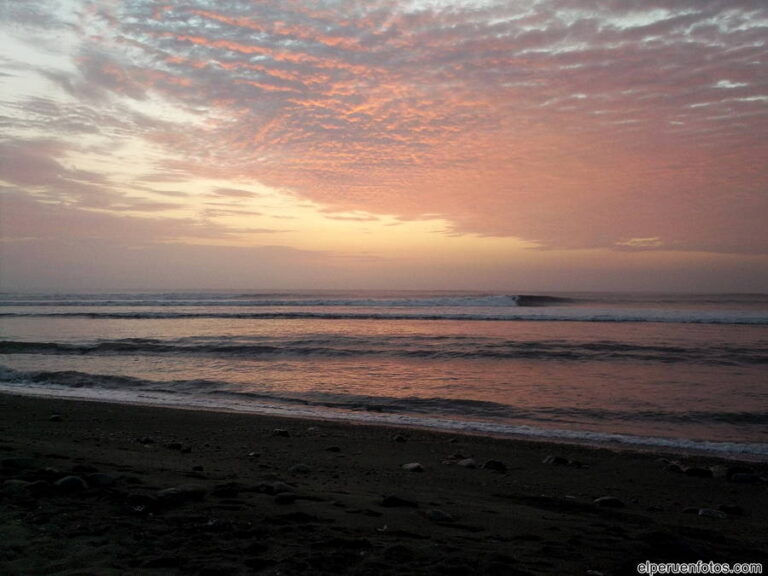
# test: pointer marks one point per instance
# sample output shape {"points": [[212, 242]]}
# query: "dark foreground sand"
{"points": [[161, 491]]}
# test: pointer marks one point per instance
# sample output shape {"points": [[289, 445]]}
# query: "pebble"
{"points": [[711, 513], [609, 502], [300, 469], [413, 467], [146, 440], [281, 432], [467, 463], [399, 438], [179, 494], [71, 484], [561, 461], [555, 460], [56, 418], [391, 501]]}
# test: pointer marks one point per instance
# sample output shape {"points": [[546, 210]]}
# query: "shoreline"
{"points": [[168, 491], [679, 447]]}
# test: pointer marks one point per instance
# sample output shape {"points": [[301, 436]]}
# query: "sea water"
{"points": [[672, 372]]}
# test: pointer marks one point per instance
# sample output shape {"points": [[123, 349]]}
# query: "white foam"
{"points": [[753, 451]]}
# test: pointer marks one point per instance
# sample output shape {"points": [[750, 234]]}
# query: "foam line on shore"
{"points": [[732, 450]]}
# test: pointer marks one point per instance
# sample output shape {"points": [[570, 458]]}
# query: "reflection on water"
{"points": [[704, 380]]}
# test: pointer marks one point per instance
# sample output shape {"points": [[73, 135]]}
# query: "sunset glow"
{"points": [[476, 144]]}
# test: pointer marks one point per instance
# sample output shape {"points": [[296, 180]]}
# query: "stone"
{"points": [[281, 432], [71, 484], [333, 449], [555, 460], [56, 418], [495, 465], [467, 463], [146, 440], [175, 446], [609, 502], [711, 513], [180, 494], [300, 469], [413, 467], [399, 438]]}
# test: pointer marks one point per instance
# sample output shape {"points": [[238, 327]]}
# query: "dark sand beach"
{"points": [[96, 488]]}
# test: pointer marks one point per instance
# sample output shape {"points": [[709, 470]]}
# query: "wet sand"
{"points": [[98, 489]]}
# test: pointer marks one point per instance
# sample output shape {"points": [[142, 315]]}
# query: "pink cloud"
{"points": [[571, 125]]}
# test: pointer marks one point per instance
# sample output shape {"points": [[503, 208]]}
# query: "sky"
{"points": [[547, 145]]}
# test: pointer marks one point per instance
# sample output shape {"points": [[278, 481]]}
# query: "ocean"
{"points": [[668, 372]]}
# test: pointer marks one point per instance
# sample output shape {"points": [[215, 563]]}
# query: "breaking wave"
{"points": [[267, 300], [402, 347], [455, 414], [581, 315]]}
